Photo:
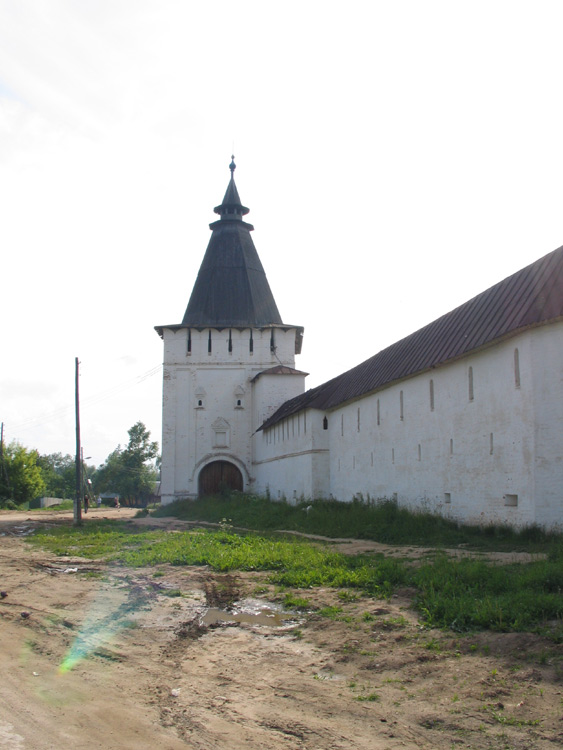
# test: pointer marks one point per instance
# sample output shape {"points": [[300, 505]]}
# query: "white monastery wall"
{"points": [[271, 391], [292, 458], [546, 353], [459, 439]]}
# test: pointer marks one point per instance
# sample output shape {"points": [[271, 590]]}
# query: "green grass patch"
{"points": [[381, 520], [472, 594], [461, 595]]}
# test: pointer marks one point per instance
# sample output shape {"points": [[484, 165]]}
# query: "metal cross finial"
{"points": [[232, 166]]}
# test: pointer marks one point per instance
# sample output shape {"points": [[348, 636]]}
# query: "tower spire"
{"points": [[231, 209], [231, 288]]}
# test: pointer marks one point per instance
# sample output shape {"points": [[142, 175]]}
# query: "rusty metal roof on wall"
{"points": [[231, 288], [530, 297]]}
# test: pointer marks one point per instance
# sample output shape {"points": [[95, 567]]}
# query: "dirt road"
{"points": [[99, 656]]}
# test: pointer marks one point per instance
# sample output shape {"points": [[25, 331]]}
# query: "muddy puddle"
{"points": [[252, 612]]}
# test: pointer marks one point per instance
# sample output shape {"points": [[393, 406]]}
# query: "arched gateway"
{"points": [[219, 475]]}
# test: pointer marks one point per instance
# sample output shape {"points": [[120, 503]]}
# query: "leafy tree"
{"points": [[127, 471], [59, 474], [21, 479]]}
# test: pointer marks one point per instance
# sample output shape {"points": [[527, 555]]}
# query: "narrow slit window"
{"points": [[359, 423], [378, 413], [342, 424], [491, 444], [325, 423], [401, 406], [419, 452], [516, 368], [230, 342], [189, 342], [451, 446], [470, 383], [209, 343], [251, 343], [272, 341], [431, 395]]}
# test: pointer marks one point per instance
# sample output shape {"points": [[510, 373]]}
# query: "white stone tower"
{"points": [[227, 366]]}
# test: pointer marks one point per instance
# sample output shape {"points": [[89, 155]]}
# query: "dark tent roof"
{"points": [[530, 297], [231, 288]]}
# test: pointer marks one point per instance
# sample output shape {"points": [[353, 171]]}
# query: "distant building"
{"points": [[463, 417]]}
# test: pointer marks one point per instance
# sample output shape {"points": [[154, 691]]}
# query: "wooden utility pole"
{"points": [[78, 498]]}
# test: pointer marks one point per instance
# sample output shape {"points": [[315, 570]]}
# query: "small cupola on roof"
{"points": [[231, 288]]}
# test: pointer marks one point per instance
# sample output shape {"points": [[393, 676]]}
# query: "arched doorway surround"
{"points": [[219, 475]]}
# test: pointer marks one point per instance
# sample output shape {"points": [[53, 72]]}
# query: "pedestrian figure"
{"points": [[86, 503], [99, 501], [116, 503]]}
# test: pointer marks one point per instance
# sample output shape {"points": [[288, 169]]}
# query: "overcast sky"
{"points": [[397, 159]]}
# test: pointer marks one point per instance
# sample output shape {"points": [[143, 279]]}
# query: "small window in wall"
{"points": [[372, 458], [378, 413], [451, 446], [272, 341], [230, 344], [470, 383], [209, 343], [419, 452], [189, 342], [447, 497], [401, 405], [511, 500], [392, 455], [516, 368], [325, 423], [359, 423], [251, 343], [200, 397], [431, 395], [342, 424], [239, 397]]}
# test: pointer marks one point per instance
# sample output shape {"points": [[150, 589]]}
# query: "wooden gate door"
{"points": [[218, 475]]}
